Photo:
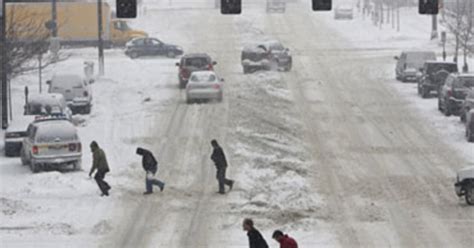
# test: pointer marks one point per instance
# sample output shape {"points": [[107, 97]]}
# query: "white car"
{"points": [[343, 12], [15, 134], [47, 104], [51, 142], [75, 89], [204, 85], [464, 185]]}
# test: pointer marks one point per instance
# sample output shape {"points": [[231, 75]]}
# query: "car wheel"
{"points": [[469, 195], [425, 93], [404, 79], [77, 165], [288, 67], [439, 105], [134, 55], [446, 109], [86, 110], [189, 100], [35, 168], [171, 54], [462, 116], [469, 134], [246, 70]]}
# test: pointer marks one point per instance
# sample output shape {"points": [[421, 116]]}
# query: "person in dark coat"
{"points": [[99, 163], [256, 239], [220, 161], [284, 240], [150, 165]]}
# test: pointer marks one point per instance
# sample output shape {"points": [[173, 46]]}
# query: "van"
{"points": [[410, 63], [75, 90]]}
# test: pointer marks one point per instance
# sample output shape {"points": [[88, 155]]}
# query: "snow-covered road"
{"points": [[334, 152]]}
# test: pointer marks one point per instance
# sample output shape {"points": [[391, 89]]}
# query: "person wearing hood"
{"points": [[150, 165], [256, 239], [99, 163], [218, 157], [284, 240]]}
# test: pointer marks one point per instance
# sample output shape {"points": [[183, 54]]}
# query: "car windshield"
{"points": [[333, 123]]}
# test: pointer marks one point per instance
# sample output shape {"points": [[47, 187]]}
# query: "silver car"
{"points": [[204, 85], [47, 104], [51, 142], [75, 89]]}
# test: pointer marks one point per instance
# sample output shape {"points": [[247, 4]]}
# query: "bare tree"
{"points": [[461, 25], [27, 38]]}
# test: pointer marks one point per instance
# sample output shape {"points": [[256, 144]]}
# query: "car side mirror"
{"points": [[177, 64], [48, 82], [214, 62], [396, 57]]}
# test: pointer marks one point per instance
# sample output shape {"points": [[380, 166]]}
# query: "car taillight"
{"points": [[72, 147], [216, 86], [34, 150], [86, 94]]}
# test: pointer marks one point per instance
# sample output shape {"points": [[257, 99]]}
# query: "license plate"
{"points": [[56, 147]]}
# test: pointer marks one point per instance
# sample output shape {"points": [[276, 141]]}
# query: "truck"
{"points": [[76, 24]]}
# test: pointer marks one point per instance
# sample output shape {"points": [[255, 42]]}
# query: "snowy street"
{"points": [[335, 152]]}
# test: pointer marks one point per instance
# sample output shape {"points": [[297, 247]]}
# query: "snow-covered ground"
{"points": [[310, 150]]}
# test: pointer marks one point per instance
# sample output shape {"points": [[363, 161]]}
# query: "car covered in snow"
{"points": [[15, 133], [204, 85], [409, 64], [47, 104], [192, 62], [51, 143], [345, 11], [151, 47], [467, 105], [433, 75], [75, 89], [453, 93], [464, 185], [266, 55]]}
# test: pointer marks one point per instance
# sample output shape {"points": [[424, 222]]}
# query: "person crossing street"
{"points": [[99, 163], [220, 162], [150, 165]]}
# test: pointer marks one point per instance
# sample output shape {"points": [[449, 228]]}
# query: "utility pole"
{"points": [[54, 19], [3, 64], [434, 27], [100, 40]]}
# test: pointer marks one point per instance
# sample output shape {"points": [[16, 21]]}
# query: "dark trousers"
{"points": [[149, 182], [103, 185], [222, 180]]}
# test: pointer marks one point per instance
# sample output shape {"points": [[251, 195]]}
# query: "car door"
{"points": [[157, 47]]}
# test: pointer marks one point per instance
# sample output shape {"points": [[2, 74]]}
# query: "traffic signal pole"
{"points": [[3, 69], [100, 40]]}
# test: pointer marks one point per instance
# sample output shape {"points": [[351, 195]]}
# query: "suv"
{"points": [[150, 47], [75, 90], [266, 56], [51, 142], [433, 76], [47, 104], [15, 133], [452, 94], [467, 105], [464, 185], [193, 62], [410, 62]]}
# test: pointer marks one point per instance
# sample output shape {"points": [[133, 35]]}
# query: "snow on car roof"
{"points": [[44, 98], [56, 128], [20, 123], [67, 79]]}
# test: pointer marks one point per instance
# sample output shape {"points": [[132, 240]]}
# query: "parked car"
{"points": [[151, 47], [51, 142], [470, 126], [15, 133], [76, 91], [452, 94], [266, 55], [343, 12], [467, 105], [433, 76], [204, 85], [47, 104], [190, 63], [464, 185], [276, 6], [410, 62]]}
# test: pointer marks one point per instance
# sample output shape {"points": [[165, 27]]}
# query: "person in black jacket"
{"points": [[256, 239], [150, 165], [218, 157]]}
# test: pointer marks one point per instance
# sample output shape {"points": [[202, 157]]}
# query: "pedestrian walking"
{"points": [[284, 240], [99, 163], [150, 165], [256, 239], [220, 161]]}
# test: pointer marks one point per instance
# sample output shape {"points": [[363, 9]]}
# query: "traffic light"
{"points": [[322, 5], [231, 7], [126, 8], [428, 7]]}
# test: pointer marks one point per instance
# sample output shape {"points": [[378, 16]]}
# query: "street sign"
{"points": [[443, 37]]}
